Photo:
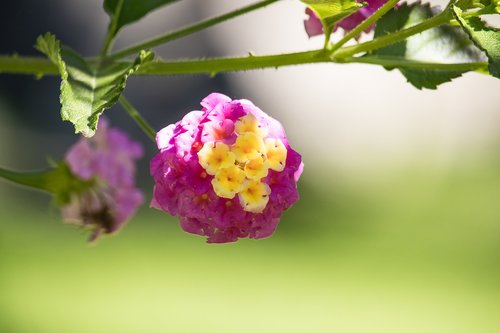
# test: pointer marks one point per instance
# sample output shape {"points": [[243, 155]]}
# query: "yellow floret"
{"points": [[247, 147], [214, 156], [276, 154], [256, 168], [250, 124], [254, 196], [229, 181]]}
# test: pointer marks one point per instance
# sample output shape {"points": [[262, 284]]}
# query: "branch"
{"points": [[188, 30]]}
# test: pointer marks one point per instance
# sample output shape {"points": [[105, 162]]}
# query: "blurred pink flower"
{"points": [[109, 157], [314, 27], [227, 171]]}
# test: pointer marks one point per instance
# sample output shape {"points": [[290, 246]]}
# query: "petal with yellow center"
{"points": [[249, 123], [256, 168], [247, 147], [229, 181], [276, 154], [254, 196], [214, 156]]}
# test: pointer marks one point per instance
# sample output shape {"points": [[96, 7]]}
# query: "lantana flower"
{"points": [[314, 27], [108, 159], [227, 171]]}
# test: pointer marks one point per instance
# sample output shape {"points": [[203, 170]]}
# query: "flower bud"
{"points": [[109, 158]]}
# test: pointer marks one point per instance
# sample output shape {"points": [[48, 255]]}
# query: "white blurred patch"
{"points": [[357, 116]]}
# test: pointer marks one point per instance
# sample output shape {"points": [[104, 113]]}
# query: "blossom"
{"points": [[314, 27], [109, 159], [227, 171]]}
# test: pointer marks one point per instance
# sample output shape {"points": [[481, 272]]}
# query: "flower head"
{"points": [[314, 27], [109, 158], [227, 171]]}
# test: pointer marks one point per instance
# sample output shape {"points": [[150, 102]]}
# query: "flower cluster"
{"points": [[227, 171], [314, 27], [109, 158]]}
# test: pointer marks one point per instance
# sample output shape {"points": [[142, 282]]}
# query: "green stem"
{"points": [[143, 124], [27, 65], [59, 181], [112, 29], [377, 43], [188, 30], [216, 65], [365, 24], [404, 63], [107, 43], [37, 180], [42, 66]]}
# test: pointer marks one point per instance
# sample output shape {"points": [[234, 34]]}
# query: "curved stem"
{"points": [[27, 65], [405, 63], [108, 40], [58, 181], [38, 180], [216, 65], [136, 116], [365, 24], [380, 42], [41, 66], [188, 30], [112, 29]]}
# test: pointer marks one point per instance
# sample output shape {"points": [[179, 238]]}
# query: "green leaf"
{"points": [[123, 12], [58, 181], [443, 44], [430, 79], [479, 7], [87, 89], [332, 11], [484, 37]]}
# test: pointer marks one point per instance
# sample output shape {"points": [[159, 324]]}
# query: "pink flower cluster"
{"points": [[108, 158], [314, 27], [227, 171]]}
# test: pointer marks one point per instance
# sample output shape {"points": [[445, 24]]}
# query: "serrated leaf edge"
{"points": [[143, 58], [457, 13], [49, 45]]}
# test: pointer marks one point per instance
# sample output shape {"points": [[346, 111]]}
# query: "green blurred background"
{"points": [[416, 252], [397, 229]]}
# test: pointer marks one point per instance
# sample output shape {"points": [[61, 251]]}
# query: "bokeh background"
{"points": [[398, 228]]}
